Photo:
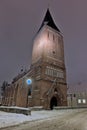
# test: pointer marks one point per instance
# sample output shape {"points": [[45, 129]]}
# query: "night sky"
{"points": [[21, 19]]}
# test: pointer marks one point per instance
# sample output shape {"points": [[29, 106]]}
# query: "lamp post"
{"points": [[28, 82]]}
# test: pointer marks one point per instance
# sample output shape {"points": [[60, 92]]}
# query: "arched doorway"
{"points": [[53, 102]]}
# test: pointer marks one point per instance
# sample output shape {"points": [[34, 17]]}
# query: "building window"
{"points": [[79, 101], [54, 52], [29, 92], [48, 34], [51, 72], [46, 71], [53, 37], [74, 95], [55, 73], [84, 101], [55, 90]]}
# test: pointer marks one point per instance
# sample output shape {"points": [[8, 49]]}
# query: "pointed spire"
{"points": [[48, 6], [48, 20]]}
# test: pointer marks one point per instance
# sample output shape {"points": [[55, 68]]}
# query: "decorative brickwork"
{"points": [[47, 72]]}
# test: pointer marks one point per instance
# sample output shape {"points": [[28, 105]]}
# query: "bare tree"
{"points": [[3, 87]]}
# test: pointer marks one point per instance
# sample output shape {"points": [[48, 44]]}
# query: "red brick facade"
{"points": [[47, 72]]}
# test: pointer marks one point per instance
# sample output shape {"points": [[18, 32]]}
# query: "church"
{"points": [[44, 84]]}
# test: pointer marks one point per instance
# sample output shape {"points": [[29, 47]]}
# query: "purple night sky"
{"points": [[21, 19]]}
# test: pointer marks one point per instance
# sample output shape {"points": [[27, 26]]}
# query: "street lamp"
{"points": [[29, 81]]}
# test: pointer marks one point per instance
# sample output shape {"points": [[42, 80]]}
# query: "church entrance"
{"points": [[53, 102]]}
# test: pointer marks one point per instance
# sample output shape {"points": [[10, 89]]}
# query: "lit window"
{"points": [[84, 101], [79, 100]]}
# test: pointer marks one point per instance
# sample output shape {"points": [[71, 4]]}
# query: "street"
{"points": [[68, 120]]}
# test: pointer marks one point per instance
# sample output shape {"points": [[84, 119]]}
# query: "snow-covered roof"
{"points": [[76, 88]]}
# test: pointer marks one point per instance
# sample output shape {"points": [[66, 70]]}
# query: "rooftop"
{"points": [[48, 20]]}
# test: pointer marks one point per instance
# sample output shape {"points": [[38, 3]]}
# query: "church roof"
{"points": [[48, 20]]}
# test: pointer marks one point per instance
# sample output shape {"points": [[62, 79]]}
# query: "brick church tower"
{"points": [[46, 80], [48, 72]]}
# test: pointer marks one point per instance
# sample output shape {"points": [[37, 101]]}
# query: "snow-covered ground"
{"points": [[10, 119]]}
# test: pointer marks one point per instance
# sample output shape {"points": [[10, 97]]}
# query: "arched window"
{"points": [[29, 91], [55, 90]]}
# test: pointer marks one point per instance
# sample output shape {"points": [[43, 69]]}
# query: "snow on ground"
{"points": [[22, 108], [10, 119]]}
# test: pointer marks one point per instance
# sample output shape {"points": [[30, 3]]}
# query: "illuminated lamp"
{"points": [[29, 81]]}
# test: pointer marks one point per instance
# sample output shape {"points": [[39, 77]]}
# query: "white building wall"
{"points": [[77, 99]]}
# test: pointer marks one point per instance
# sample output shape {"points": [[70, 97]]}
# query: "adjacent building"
{"points": [[77, 95]]}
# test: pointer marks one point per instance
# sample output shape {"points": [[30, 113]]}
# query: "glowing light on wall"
{"points": [[84, 101], [43, 41], [79, 100], [29, 81]]}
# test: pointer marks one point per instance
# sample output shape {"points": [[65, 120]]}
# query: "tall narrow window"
{"points": [[46, 71], [53, 37], [48, 34], [29, 91]]}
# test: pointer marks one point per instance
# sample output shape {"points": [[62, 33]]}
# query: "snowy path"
{"points": [[53, 120]]}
